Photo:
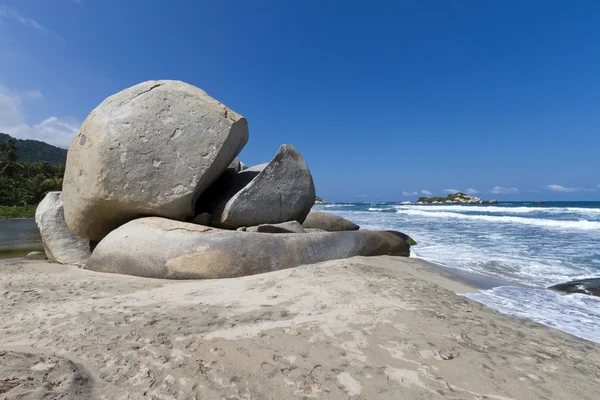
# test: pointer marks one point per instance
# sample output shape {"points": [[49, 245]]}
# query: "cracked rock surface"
{"points": [[151, 149]]}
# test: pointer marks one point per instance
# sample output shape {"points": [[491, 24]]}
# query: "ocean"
{"points": [[521, 247], [18, 237]]}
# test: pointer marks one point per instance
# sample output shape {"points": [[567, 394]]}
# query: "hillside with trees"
{"points": [[32, 151], [24, 184]]}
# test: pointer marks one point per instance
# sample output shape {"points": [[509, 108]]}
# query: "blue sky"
{"points": [[385, 100]]}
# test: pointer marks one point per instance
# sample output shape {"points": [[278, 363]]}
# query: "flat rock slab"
{"points": [[151, 149], [161, 248]]}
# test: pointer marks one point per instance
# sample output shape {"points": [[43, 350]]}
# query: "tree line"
{"points": [[23, 184]]}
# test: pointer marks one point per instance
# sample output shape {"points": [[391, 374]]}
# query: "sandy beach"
{"points": [[361, 328]]}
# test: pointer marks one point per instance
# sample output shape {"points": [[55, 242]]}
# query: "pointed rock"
{"points": [[280, 191]]}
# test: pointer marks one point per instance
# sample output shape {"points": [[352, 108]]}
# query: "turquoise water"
{"points": [[527, 246]]}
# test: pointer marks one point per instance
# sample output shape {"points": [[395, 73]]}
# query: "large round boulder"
{"points": [[61, 245], [162, 248], [327, 221], [280, 191], [149, 150]]}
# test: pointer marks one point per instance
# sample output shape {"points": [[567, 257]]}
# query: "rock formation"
{"points": [[61, 245], [162, 248], [327, 221], [151, 149], [163, 152], [283, 190], [284, 227]]}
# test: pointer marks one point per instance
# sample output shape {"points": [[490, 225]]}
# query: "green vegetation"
{"points": [[17, 211], [319, 200], [455, 198], [24, 184], [452, 197], [32, 151]]}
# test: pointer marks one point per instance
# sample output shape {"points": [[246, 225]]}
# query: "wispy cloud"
{"points": [[409, 194], [503, 190], [9, 13], [562, 189], [54, 130], [471, 191], [426, 192], [451, 191]]}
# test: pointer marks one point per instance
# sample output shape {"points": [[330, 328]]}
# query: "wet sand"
{"points": [[368, 328]]}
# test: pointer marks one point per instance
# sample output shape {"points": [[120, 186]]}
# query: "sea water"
{"points": [[18, 237], [526, 246]]}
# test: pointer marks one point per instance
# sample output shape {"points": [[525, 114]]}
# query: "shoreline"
{"points": [[364, 327]]}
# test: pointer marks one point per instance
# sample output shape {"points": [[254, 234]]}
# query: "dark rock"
{"points": [[584, 286], [280, 191], [202, 219], [327, 221], [284, 227]]}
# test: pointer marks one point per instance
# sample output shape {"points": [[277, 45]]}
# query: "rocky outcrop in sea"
{"points": [[455, 198]]}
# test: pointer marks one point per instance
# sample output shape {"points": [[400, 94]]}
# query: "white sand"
{"points": [[369, 328]]}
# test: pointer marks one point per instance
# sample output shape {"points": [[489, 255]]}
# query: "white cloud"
{"points": [[562, 189], [471, 191], [558, 188], [426, 192], [451, 191], [503, 190], [9, 13], [408, 194], [57, 131]]}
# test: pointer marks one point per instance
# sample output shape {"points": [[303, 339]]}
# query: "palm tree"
{"points": [[8, 163]]}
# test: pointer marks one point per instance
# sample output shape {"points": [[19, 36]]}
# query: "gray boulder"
{"points": [[327, 221], [283, 190], [202, 219], [151, 149], [284, 227], [161, 248], [61, 245]]}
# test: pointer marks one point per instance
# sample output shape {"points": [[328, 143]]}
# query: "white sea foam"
{"points": [[503, 210], [524, 245], [546, 223], [576, 314]]}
